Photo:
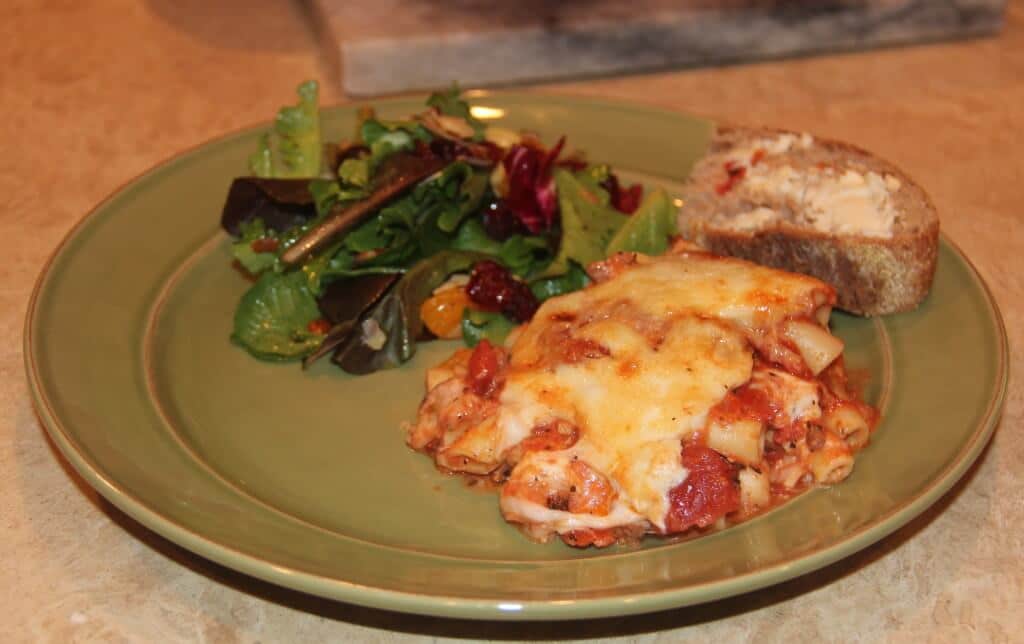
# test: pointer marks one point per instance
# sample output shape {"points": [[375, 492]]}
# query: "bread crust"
{"points": [[872, 275]]}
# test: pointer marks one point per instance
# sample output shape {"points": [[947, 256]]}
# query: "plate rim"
{"points": [[475, 608]]}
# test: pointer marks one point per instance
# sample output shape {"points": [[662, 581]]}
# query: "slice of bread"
{"points": [[819, 207]]}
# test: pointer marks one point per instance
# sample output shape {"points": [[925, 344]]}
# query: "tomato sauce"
{"points": [[745, 403], [709, 492], [551, 436], [589, 537], [575, 350], [790, 433], [590, 491], [486, 364]]}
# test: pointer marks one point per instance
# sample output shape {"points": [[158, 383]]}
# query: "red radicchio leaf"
{"points": [[547, 201], [575, 164], [531, 188], [521, 169], [549, 158], [625, 200]]}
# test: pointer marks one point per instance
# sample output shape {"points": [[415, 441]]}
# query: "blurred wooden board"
{"points": [[391, 46]]}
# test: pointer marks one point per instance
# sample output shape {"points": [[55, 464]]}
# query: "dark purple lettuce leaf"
{"points": [[343, 302], [347, 299], [280, 203]]}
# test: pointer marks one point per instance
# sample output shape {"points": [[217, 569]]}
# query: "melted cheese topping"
{"points": [[560, 521], [697, 284], [553, 466], [673, 337]]}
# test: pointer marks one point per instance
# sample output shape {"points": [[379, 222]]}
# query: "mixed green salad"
{"points": [[436, 225]]}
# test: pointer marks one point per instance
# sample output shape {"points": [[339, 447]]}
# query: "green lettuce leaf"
{"points": [[261, 162], [649, 228], [524, 255], [254, 263], [334, 263], [472, 236], [294, 148], [387, 145], [484, 325], [450, 103], [464, 189], [587, 225], [272, 319], [373, 129], [572, 280], [327, 193], [389, 230], [591, 178], [416, 225], [384, 138], [355, 172]]}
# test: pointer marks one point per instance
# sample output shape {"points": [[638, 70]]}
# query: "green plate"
{"points": [[303, 479]]}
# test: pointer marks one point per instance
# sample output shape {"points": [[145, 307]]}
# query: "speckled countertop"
{"points": [[95, 92]]}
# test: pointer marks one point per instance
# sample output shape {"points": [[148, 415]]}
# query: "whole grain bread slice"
{"points": [[877, 266]]}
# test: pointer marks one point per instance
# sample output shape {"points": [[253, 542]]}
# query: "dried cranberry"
{"points": [[500, 222], [492, 287], [625, 200], [520, 303], [486, 283]]}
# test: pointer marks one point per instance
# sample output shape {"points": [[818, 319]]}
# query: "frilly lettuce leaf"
{"points": [[417, 225], [261, 163], [355, 172], [372, 130], [327, 193], [384, 138], [450, 103], [294, 148]]}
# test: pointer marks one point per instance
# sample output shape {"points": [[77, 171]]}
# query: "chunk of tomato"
{"points": [[485, 367], [709, 492]]}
